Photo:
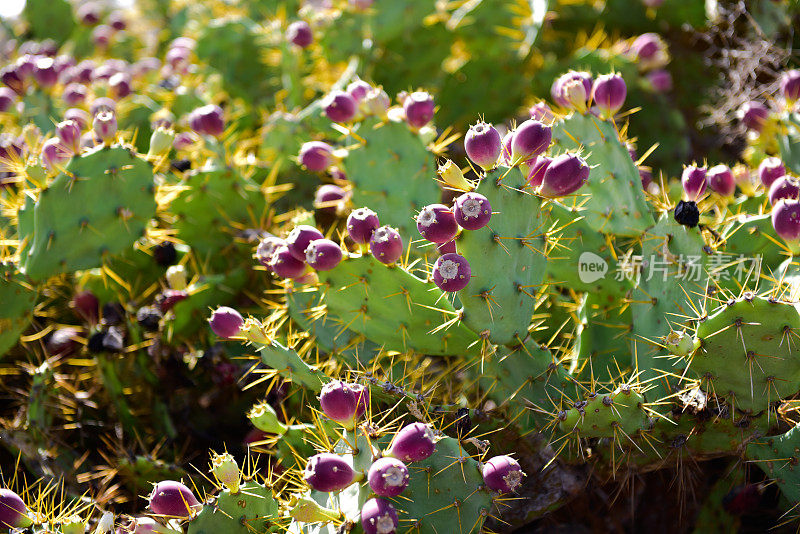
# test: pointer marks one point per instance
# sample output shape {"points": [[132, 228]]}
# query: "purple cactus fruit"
{"points": [[784, 187], [361, 224], [69, 133], [531, 138], [226, 322], [299, 34], [316, 156], [573, 93], [557, 89], [483, 145], [54, 155], [102, 35], [419, 109], [284, 264], [328, 472], [362, 399], [786, 219], [208, 120], [84, 70], [770, 170], [451, 272], [13, 79], [170, 297], [87, 305], [536, 174], [116, 19], [378, 516], [650, 50], [790, 86], [660, 80], [266, 249], [74, 94], [386, 245], [608, 93], [564, 175], [472, 211], [120, 85], [754, 115], [694, 181], [502, 474], [338, 402], [329, 198], [437, 223], [7, 99], [299, 238], [340, 106], [105, 126], [88, 13], [358, 90], [413, 443], [323, 254], [447, 248], [388, 477], [505, 154], [44, 72], [13, 512], [720, 180], [173, 499], [81, 117], [541, 112], [185, 140]]}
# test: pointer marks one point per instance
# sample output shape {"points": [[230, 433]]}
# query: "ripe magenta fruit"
{"points": [[536, 174], [316, 156], [502, 474], [564, 175], [338, 402], [208, 120], [472, 211], [437, 223], [419, 109], [388, 477], [386, 245], [720, 180], [530, 139], [361, 223], [173, 499], [482, 144], [299, 238], [13, 512], [413, 443], [770, 170], [299, 34], [784, 187], [609, 92], [285, 265], [451, 272], [266, 248], [226, 322], [786, 219], [328, 472], [754, 115], [323, 254], [340, 106], [378, 516], [694, 181], [790, 85]]}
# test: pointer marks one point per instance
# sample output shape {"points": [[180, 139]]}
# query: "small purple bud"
{"points": [[69, 133], [208, 120], [693, 181], [557, 89], [54, 155], [413, 443], [81, 117], [784, 187], [388, 477], [564, 175], [720, 180], [299, 34], [299, 238], [754, 115], [358, 90], [608, 93], [361, 224], [105, 126], [120, 85], [89, 13], [531, 138], [770, 170], [650, 50], [329, 198], [437, 223], [419, 109], [472, 211], [541, 112], [323, 254], [102, 104], [790, 85], [786, 219], [316, 156], [483, 145], [226, 322], [328, 472], [44, 72], [116, 19], [386, 245], [660, 80], [102, 35], [173, 499], [338, 402], [536, 175], [7, 99], [285, 265], [74, 94], [378, 516], [451, 272], [340, 106], [502, 474], [13, 512], [266, 249]]}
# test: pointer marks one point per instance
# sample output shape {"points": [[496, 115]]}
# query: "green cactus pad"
{"points": [[778, 457], [391, 306], [291, 366], [615, 202], [605, 415], [507, 259], [749, 352], [100, 205], [252, 509], [18, 298]]}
